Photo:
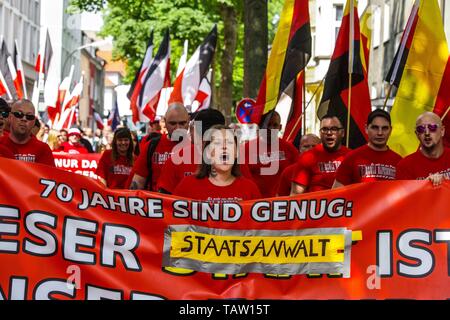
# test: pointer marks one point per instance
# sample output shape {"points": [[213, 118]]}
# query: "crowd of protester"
{"points": [[197, 156]]}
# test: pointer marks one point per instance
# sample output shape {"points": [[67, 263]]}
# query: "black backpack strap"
{"points": [[154, 140]]}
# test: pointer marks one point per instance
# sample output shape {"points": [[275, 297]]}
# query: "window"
{"points": [[386, 22], [338, 13], [376, 27]]}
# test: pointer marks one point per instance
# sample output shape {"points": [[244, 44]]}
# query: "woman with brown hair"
{"points": [[219, 178], [115, 165]]}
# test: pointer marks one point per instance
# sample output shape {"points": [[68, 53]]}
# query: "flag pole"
{"points": [[446, 112], [304, 101], [387, 97], [350, 68], [307, 105]]}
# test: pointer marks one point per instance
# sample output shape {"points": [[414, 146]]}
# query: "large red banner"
{"points": [[64, 236]]}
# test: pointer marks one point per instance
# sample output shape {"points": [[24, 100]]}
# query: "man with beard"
{"points": [[316, 168], [432, 160], [373, 161], [23, 145]]}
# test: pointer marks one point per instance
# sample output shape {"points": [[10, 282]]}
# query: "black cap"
{"points": [[4, 105], [378, 113], [208, 118]]}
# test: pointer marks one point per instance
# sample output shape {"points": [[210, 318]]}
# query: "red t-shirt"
{"points": [[284, 185], [5, 152], [115, 172], [316, 168], [286, 155], [73, 149], [172, 174], [162, 152], [202, 189], [365, 164], [32, 151], [418, 167]]}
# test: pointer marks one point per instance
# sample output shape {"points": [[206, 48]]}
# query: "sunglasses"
{"points": [[432, 127], [4, 114], [20, 115], [174, 123]]}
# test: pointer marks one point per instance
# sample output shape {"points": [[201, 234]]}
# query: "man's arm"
{"points": [[337, 184], [137, 183], [297, 188]]}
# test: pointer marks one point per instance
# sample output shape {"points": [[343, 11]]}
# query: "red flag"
{"points": [[98, 120], [290, 53], [157, 77], [187, 83], [19, 70], [44, 65], [136, 86], [336, 89]]}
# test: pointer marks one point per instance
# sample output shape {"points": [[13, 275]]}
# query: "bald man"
{"points": [[432, 160], [23, 145], [147, 170]]}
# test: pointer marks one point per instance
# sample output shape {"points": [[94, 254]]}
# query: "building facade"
{"points": [[20, 20]]}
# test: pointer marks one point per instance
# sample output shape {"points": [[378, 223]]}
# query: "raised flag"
{"points": [[290, 53], [15, 77], [43, 62], [4, 68], [114, 117], [54, 111], [4, 87], [187, 83], [422, 73], [98, 120], [19, 70], [68, 111], [366, 37], [157, 77], [183, 58], [345, 61], [136, 86], [289, 108], [203, 98]]}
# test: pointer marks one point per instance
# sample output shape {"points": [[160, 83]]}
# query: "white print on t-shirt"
{"points": [[223, 200], [377, 170], [267, 157], [121, 169], [329, 167], [25, 157], [161, 158]]}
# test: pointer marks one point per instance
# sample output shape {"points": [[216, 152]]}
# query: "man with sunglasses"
{"points": [[146, 170], [23, 145], [316, 168], [373, 161], [432, 160]]}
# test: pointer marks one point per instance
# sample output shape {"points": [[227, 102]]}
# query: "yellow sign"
{"points": [[232, 249]]}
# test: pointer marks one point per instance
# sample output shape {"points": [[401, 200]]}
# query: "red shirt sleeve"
{"points": [[302, 174], [344, 172], [140, 167], [46, 156], [103, 165], [402, 171]]}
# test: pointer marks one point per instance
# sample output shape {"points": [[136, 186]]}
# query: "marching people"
{"points": [[316, 168], [173, 171], [432, 160], [155, 153], [20, 142], [218, 179], [373, 161], [73, 146], [307, 142], [273, 155], [115, 165]]}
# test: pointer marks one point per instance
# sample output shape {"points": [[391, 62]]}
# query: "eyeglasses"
{"points": [[330, 129], [432, 127], [174, 123], [4, 114], [20, 115]]}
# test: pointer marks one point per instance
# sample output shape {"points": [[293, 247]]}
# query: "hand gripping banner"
{"points": [[64, 236]]}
